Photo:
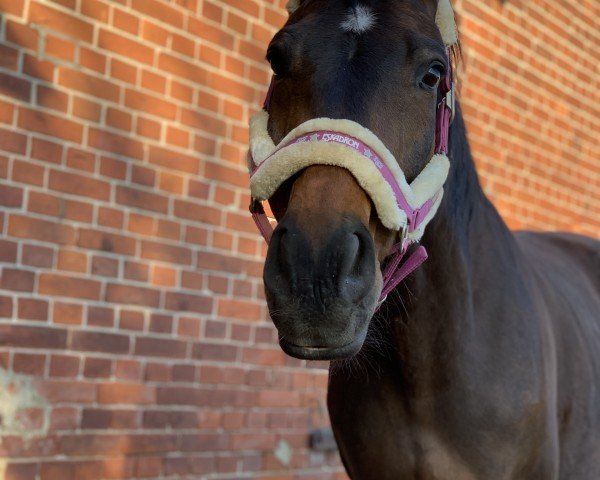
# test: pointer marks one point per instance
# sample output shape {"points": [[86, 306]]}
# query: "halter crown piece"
{"points": [[324, 141]]}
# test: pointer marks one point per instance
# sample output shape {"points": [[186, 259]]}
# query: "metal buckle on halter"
{"points": [[451, 101], [404, 233]]}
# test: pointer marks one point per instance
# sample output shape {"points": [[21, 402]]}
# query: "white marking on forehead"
{"points": [[359, 20]]}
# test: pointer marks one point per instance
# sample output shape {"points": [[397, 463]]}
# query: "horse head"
{"points": [[377, 64]]}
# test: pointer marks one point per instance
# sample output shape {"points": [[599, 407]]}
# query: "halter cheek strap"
{"points": [[398, 265]]}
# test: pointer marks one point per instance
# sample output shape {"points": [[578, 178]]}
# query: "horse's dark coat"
{"points": [[486, 363]]}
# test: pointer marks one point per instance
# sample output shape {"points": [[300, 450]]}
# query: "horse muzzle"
{"points": [[321, 296]]}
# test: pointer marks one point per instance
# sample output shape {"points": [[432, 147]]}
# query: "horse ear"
{"points": [[444, 18], [292, 6]]}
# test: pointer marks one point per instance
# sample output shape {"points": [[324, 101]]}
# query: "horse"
{"points": [[484, 363]]}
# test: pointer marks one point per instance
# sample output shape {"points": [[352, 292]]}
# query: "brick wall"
{"points": [[134, 342]]}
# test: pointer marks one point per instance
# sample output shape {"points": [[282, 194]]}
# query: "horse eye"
{"points": [[431, 79], [278, 60]]}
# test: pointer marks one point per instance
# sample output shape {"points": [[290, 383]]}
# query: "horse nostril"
{"points": [[350, 258]]}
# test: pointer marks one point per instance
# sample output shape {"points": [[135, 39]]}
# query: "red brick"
{"points": [[163, 276], [188, 303], [59, 48], [239, 309], [128, 370], [32, 309], [188, 327], [61, 22], [214, 351], [86, 109], [49, 124], [22, 35], [166, 253], [6, 110], [12, 141], [66, 286], [124, 393], [78, 211], [53, 99], [17, 280], [121, 45], [15, 87], [125, 21], [88, 341], [6, 307], [157, 372], [37, 256], [12, 7], [64, 418], [96, 419], [150, 104], [115, 143], [21, 471], [130, 320], [95, 9], [72, 261], [153, 81], [29, 363], [134, 197], [81, 160], [136, 271], [168, 229], [97, 368], [8, 251], [100, 316], [160, 11], [118, 119], [105, 267], [183, 373], [27, 172], [141, 224], [110, 217], [106, 242], [176, 161], [132, 295], [148, 128], [79, 470], [44, 204], [64, 366], [32, 337], [67, 313], [92, 60], [198, 213], [171, 183], [160, 347]]}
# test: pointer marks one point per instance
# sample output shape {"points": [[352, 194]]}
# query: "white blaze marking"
{"points": [[359, 20]]}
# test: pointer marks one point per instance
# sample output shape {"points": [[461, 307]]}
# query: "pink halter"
{"points": [[395, 270]]}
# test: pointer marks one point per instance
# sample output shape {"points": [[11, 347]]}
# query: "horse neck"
{"points": [[466, 241]]}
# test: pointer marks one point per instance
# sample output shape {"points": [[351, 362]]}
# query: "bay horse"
{"points": [[485, 362]]}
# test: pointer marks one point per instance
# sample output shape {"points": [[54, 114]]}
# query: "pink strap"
{"points": [[261, 220], [395, 272]]}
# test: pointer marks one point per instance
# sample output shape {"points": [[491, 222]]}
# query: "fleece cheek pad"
{"points": [[347, 144]]}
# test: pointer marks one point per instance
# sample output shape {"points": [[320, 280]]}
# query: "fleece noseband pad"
{"points": [[347, 144]]}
